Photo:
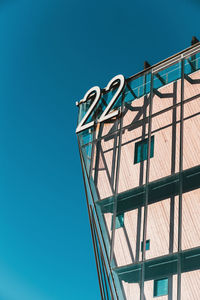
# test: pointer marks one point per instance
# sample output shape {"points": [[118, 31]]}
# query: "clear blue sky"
{"points": [[51, 53]]}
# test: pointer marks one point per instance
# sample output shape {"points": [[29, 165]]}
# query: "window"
{"points": [[160, 287], [119, 221], [147, 245], [141, 150]]}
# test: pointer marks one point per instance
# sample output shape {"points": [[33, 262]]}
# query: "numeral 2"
{"points": [[97, 91], [106, 115]]}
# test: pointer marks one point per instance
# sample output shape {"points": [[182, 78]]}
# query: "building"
{"points": [[139, 142]]}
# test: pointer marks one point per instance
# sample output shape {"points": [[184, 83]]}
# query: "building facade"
{"points": [[139, 142]]}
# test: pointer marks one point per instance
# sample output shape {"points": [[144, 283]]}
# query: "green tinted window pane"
{"points": [[119, 221], [139, 153], [129, 97], [141, 150], [87, 152], [86, 136], [192, 63], [152, 147], [83, 108], [145, 151], [139, 86], [160, 287], [167, 75], [147, 245]]}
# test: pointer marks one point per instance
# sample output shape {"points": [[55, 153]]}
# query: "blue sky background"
{"points": [[51, 53]]}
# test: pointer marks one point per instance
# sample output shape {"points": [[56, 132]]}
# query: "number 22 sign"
{"points": [[106, 114]]}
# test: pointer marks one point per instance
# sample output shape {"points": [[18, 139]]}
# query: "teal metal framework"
{"points": [[146, 83]]}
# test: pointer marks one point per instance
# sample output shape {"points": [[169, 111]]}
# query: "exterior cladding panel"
{"points": [[144, 212]]}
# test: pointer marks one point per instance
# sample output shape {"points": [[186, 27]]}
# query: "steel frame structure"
{"points": [[109, 274]]}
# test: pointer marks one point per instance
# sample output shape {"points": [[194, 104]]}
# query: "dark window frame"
{"points": [[141, 150]]}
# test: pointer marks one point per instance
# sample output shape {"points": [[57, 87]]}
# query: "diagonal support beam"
{"points": [[162, 80], [190, 80], [132, 92], [163, 95]]}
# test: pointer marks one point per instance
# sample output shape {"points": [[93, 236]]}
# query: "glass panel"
{"points": [[191, 108], [128, 238], [192, 89], [166, 97], [138, 87], [83, 108], [162, 231], [105, 129], [107, 276], [166, 131], [135, 124], [192, 63], [135, 129], [136, 100], [161, 278], [90, 196], [190, 283], [147, 247], [130, 278], [191, 134], [86, 136], [167, 75], [160, 287], [103, 277], [104, 163], [190, 219], [87, 152], [191, 142], [135, 112], [132, 175], [119, 221], [141, 150], [165, 288], [132, 290], [100, 219]]}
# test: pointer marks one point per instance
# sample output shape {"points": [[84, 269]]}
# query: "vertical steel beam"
{"points": [[180, 184], [117, 179], [142, 296], [172, 199]]}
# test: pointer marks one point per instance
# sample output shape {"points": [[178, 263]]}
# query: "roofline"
{"points": [[164, 63], [172, 59]]}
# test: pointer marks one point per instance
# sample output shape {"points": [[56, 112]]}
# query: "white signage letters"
{"points": [[106, 113]]}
